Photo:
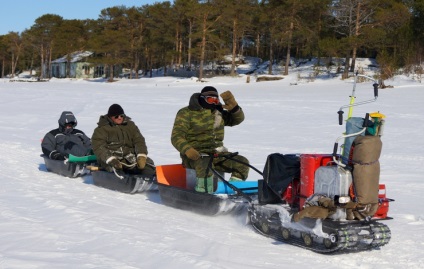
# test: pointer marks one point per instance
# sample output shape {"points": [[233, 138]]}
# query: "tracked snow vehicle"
{"points": [[328, 203]]}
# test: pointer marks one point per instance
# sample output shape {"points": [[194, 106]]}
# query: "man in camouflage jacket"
{"points": [[118, 143], [199, 129]]}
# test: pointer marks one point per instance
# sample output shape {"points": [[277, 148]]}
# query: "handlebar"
{"points": [[227, 155], [375, 85], [352, 98]]}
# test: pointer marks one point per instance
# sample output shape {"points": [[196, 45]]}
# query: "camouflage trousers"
{"points": [[221, 164]]}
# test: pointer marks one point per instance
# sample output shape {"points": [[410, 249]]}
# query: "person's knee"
{"points": [[243, 159]]}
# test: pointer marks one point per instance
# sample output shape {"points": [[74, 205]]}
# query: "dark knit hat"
{"points": [[115, 110], [209, 91]]}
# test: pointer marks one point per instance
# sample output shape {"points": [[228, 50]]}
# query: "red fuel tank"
{"points": [[309, 163]]}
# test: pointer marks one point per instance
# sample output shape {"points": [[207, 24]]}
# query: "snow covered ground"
{"points": [[49, 221]]}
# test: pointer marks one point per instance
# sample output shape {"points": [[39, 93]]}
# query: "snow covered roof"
{"points": [[75, 57]]}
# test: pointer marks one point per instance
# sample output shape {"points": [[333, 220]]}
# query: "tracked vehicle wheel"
{"points": [[307, 239], [330, 241], [265, 227], [328, 244], [285, 233]]}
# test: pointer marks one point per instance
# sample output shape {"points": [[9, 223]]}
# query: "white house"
{"points": [[79, 67]]}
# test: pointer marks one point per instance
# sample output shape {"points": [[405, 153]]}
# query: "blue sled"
{"points": [[245, 186]]}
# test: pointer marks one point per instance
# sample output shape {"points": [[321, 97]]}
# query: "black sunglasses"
{"points": [[118, 116]]}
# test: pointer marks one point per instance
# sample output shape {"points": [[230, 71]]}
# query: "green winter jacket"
{"points": [[201, 129], [111, 140]]}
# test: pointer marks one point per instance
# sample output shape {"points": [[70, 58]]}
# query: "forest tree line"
{"points": [[191, 33]]}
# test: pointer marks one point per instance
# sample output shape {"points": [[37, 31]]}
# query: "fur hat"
{"points": [[115, 110], [209, 91]]}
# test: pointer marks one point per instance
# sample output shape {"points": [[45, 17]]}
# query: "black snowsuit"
{"points": [[66, 141]]}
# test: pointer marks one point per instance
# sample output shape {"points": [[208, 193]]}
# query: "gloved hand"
{"points": [[192, 154], [229, 100], [57, 156], [141, 162], [115, 163]]}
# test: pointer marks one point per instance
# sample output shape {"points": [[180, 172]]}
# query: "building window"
{"points": [[86, 69], [99, 71]]}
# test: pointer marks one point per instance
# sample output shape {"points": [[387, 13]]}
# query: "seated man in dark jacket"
{"points": [[119, 144], [59, 143]]}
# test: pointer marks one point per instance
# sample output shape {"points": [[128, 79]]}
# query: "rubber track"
{"points": [[348, 237]]}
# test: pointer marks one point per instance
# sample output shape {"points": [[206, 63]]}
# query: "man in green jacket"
{"points": [[199, 130], [118, 143]]}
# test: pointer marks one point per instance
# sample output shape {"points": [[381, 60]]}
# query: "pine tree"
{"points": [[237, 18], [110, 39], [42, 36], [13, 42]]}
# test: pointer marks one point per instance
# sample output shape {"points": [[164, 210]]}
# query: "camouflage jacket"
{"points": [[201, 129], [110, 140]]}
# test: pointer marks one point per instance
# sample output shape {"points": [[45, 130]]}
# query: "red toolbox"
{"points": [[309, 163]]}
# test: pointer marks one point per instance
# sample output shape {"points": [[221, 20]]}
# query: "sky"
{"points": [[50, 221], [21, 15]]}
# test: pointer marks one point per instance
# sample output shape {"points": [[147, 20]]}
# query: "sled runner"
{"points": [[65, 168], [126, 183], [121, 181], [176, 189]]}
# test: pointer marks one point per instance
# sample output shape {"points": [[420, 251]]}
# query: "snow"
{"points": [[50, 221], [75, 57]]}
